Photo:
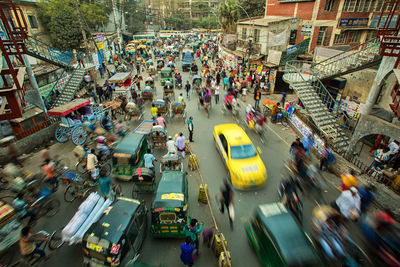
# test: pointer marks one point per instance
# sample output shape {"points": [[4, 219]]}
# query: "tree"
{"points": [[61, 20], [135, 16], [254, 8], [208, 23], [228, 13], [177, 22]]}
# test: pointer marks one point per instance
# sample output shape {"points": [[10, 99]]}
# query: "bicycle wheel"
{"points": [[106, 169], [284, 122], [70, 193], [117, 190], [7, 199], [135, 191], [89, 191], [52, 207], [55, 241], [81, 167]]}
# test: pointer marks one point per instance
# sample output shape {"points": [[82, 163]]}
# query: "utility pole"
{"points": [[117, 26], [85, 41]]}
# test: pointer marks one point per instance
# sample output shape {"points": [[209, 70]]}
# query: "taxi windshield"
{"points": [[243, 151]]}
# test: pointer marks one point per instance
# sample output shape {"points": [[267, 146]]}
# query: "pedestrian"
{"points": [[327, 157], [154, 111], [91, 161], [28, 243], [20, 206], [257, 97], [274, 112], [381, 156], [283, 99], [148, 160], [218, 78], [137, 68], [105, 185], [226, 200], [216, 94], [192, 230], [187, 88], [171, 148], [180, 144], [45, 154], [79, 57], [208, 236], [99, 92], [50, 179], [226, 82], [161, 121], [367, 196], [349, 204], [187, 249], [190, 128], [244, 93]]}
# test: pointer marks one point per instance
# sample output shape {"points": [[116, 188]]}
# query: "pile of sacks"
{"points": [[178, 107], [88, 213]]}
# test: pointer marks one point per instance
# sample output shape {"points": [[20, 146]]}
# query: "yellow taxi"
{"points": [[242, 160]]}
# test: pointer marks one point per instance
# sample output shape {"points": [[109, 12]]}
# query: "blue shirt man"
{"points": [[148, 160]]}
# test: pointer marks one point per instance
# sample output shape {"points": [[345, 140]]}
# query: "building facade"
{"points": [[331, 22], [195, 10]]}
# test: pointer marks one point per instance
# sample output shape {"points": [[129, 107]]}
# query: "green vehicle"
{"points": [[166, 75], [169, 210], [128, 155], [278, 240], [117, 237]]}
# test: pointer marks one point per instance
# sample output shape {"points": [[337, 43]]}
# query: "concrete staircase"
{"points": [[42, 51], [357, 58], [73, 84]]}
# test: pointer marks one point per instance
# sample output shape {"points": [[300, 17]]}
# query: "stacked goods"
{"points": [[193, 162], [224, 261], [178, 108], [203, 192], [10, 228], [217, 245], [88, 213]]}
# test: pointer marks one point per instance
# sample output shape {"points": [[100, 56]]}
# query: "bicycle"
{"points": [[80, 188], [44, 205]]}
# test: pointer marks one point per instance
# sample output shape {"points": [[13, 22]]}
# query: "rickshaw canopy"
{"points": [[141, 47], [119, 77], [166, 70], [149, 61], [131, 144], [195, 77], [171, 190], [67, 108]]}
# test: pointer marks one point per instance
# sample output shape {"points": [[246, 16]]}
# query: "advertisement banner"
{"points": [[276, 39], [274, 57], [353, 23]]}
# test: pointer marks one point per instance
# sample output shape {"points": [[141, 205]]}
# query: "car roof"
{"points": [[130, 144], [234, 134], [171, 183], [291, 243], [112, 224]]}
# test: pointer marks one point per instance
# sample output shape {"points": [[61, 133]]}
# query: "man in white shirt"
{"points": [[91, 161], [171, 146], [180, 144], [349, 203]]}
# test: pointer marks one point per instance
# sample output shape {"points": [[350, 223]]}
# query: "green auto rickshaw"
{"points": [[166, 75], [128, 155], [169, 210], [278, 240]]}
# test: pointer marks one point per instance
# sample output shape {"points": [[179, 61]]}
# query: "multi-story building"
{"points": [[194, 10], [331, 22]]}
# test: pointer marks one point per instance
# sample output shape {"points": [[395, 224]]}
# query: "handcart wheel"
{"points": [[70, 193], [79, 136], [55, 241], [116, 190], [101, 120], [62, 134], [52, 207], [135, 191]]}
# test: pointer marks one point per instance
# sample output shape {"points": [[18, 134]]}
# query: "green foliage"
{"points": [[254, 8], [229, 13], [61, 20], [177, 22], [208, 23], [135, 16]]}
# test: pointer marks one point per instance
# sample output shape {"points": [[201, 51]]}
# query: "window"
{"points": [[243, 151], [388, 6], [132, 232], [363, 5], [349, 5], [224, 142], [321, 35], [329, 5], [244, 32], [340, 38], [256, 35], [33, 21], [355, 37]]}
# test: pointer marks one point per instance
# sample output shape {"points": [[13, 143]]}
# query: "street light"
{"points": [[249, 50]]}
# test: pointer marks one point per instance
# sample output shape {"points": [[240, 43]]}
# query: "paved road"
{"points": [[274, 154]]}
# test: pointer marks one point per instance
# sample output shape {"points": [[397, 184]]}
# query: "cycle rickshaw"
{"points": [[196, 83], [178, 111], [143, 181], [162, 107], [73, 114], [160, 64]]}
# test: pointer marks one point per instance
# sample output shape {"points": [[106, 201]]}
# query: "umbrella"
{"points": [[196, 77], [149, 78], [149, 61]]}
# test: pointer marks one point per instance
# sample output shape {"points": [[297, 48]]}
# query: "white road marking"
{"points": [[278, 136]]}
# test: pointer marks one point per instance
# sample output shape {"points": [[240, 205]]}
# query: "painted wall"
{"points": [[359, 83]]}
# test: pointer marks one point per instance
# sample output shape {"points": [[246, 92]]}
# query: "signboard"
{"points": [[353, 23], [274, 57], [306, 30], [292, 49], [293, 1], [375, 19]]}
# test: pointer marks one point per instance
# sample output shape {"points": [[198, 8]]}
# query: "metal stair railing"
{"points": [[52, 96], [351, 58], [293, 75], [37, 48]]}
